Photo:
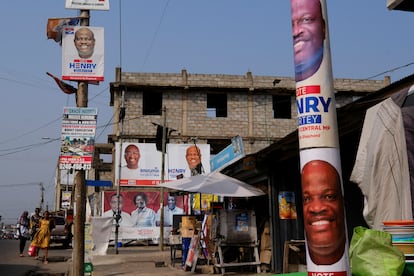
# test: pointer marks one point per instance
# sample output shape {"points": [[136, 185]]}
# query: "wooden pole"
{"points": [[80, 183]]}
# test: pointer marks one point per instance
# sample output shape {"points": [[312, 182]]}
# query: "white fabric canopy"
{"points": [[214, 183]]}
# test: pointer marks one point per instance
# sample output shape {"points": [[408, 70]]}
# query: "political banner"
{"points": [[83, 53], [141, 212], [139, 164]]}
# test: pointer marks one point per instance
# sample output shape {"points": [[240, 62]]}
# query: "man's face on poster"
{"points": [[114, 203], [193, 156], [140, 202], [308, 29], [132, 156], [323, 211], [171, 202], [84, 42]]}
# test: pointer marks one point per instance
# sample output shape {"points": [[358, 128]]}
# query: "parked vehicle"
{"points": [[62, 232]]}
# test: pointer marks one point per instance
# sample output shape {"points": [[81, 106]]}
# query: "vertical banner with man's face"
{"points": [[315, 98], [324, 212], [83, 53], [323, 204]]}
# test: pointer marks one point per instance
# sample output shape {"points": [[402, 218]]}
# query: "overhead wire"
{"points": [[155, 35], [391, 70], [19, 149]]}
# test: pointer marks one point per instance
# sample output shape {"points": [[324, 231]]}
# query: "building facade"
{"points": [[213, 108]]}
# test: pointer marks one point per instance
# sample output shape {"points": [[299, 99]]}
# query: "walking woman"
{"points": [[23, 231], [42, 237], [34, 222]]}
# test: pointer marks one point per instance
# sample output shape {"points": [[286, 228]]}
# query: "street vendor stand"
{"points": [[236, 229]]}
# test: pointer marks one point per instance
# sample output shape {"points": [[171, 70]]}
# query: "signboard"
{"points": [[185, 160], [229, 155], [102, 5], [67, 177], [66, 199], [83, 53], [140, 212], [139, 164], [78, 138]]}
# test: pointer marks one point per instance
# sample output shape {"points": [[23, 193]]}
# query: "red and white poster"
{"points": [[83, 53], [141, 214]]}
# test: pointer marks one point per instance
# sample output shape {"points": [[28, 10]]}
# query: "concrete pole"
{"points": [[80, 183], [318, 141]]}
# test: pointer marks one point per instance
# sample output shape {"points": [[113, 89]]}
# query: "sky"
{"points": [[164, 36]]}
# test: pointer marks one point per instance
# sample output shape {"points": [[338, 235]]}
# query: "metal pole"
{"points": [[80, 183], [118, 187], [42, 190], [164, 140]]}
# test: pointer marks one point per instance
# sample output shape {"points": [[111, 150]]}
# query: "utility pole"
{"points": [[42, 195], [58, 188], [118, 187], [80, 183], [163, 148]]}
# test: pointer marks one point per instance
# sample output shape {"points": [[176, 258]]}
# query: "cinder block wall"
{"points": [[185, 99]]}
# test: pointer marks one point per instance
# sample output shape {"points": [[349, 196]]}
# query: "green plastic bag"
{"points": [[371, 253]]}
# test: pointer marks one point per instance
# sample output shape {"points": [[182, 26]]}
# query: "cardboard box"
{"points": [[187, 232]]}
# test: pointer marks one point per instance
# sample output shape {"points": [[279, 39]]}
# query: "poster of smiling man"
{"points": [[83, 53], [137, 164]]}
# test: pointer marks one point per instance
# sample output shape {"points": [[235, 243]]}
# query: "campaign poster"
{"points": [[324, 212], [139, 164], [77, 138], [141, 212], [102, 5], [315, 98], [321, 176], [185, 160], [83, 53]]}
